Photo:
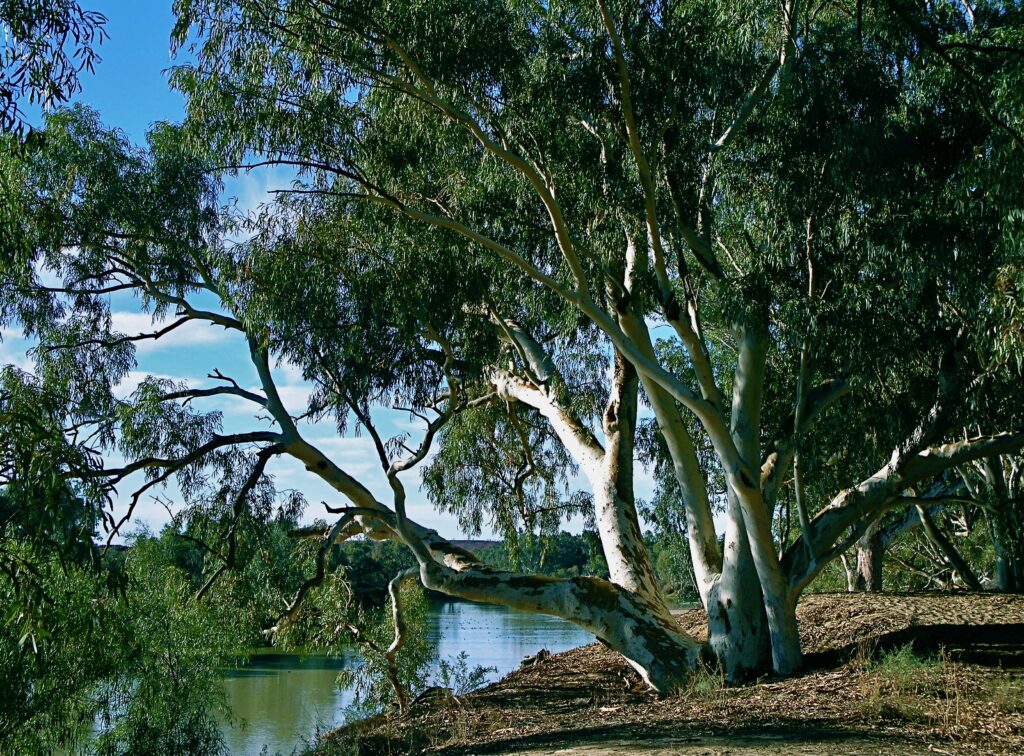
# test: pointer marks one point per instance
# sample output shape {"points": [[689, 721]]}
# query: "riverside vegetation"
{"points": [[769, 251]]}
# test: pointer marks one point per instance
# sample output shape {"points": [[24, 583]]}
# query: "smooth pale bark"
{"points": [[608, 468], [614, 504], [650, 640], [705, 553], [850, 568], [779, 600], [607, 471], [644, 632], [738, 633], [649, 637], [628, 614], [857, 506], [728, 584]]}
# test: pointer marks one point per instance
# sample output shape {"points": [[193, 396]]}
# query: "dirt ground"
{"points": [[890, 673]]}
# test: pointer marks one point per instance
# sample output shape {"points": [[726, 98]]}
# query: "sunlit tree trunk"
{"points": [[632, 616], [779, 598], [737, 623], [868, 569]]}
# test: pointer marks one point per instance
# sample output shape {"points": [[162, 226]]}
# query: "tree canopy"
{"points": [[46, 46], [772, 251]]}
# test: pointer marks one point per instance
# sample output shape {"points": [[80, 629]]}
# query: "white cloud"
{"points": [[132, 380], [290, 372], [48, 277], [254, 188], [356, 455], [7, 333], [191, 334], [15, 355], [295, 398]]}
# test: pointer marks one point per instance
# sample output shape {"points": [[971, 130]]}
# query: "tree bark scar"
{"points": [[745, 477], [321, 465], [672, 309], [725, 618]]}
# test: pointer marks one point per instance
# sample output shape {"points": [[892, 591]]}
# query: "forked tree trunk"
{"points": [[728, 584], [737, 624], [745, 429], [628, 613]]}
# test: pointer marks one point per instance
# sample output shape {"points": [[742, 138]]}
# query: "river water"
{"points": [[280, 700]]}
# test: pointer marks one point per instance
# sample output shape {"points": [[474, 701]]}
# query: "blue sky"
{"points": [[129, 89]]}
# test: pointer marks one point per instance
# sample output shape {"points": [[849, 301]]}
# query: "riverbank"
{"points": [[886, 674], [282, 700]]}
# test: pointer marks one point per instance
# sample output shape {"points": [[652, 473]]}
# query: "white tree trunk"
{"points": [[737, 624], [745, 430], [645, 634]]}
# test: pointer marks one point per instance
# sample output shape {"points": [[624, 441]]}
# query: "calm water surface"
{"points": [[280, 699]]}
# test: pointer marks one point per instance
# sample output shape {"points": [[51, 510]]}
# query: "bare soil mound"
{"points": [[887, 673]]}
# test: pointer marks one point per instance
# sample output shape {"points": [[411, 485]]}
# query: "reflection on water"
{"points": [[280, 699], [495, 636]]}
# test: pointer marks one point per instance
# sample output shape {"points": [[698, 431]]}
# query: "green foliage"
{"points": [[901, 666], [464, 171], [510, 471], [456, 675], [47, 44], [49, 682], [560, 554], [707, 683], [913, 563], [49, 509], [369, 680], [167, 697], [673, 565], [143, 664]]}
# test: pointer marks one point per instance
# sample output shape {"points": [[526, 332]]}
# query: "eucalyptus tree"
{"points": [[46, 44], [997, 484], [791, 190], [103, 220]]}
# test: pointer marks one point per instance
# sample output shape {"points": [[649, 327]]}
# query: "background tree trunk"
{"points": [[870, 554]]}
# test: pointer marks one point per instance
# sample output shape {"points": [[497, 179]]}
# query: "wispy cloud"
{"points": [[14, 350], [132, 380], [251, 189], [191, 334]]}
